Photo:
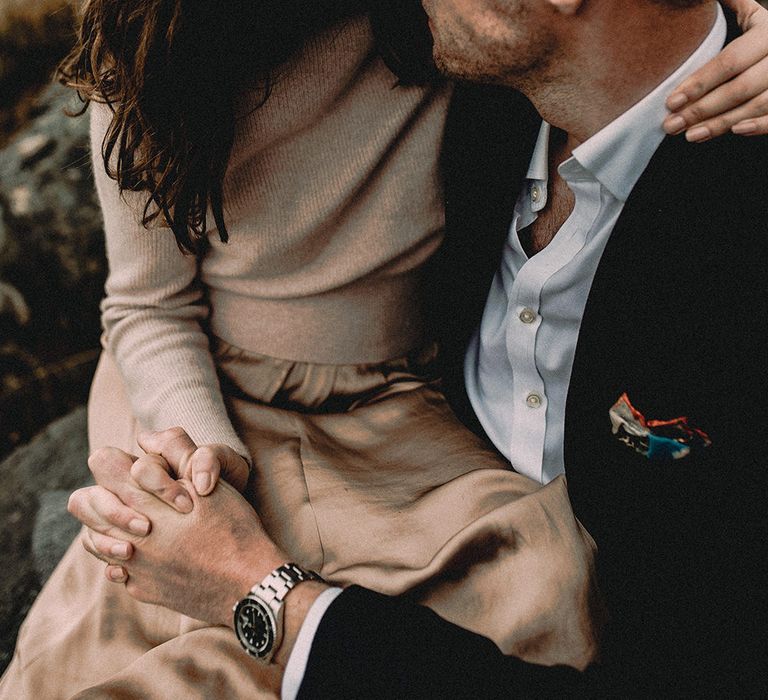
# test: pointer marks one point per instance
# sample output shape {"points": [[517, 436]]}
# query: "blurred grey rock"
{"points": [[32, 148], [54, 531], [57, 458], [34, 527], [52, 268], [54, 251], [19, 201]]}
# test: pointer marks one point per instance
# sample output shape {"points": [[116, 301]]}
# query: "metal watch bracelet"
{"points": [[282, 580]]}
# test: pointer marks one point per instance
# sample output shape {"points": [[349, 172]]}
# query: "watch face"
{"points": [[255, 626]]}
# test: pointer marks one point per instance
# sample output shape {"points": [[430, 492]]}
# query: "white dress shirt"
{"points": [[518, 365]]}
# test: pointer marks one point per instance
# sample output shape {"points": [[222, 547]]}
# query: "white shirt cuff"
{"points": [[297, 661]]}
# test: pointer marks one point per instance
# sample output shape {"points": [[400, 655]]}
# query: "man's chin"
{"points": [[461, 70], [452, 68]]}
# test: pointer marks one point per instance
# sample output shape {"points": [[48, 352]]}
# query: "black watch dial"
{"points": [[255, 627]]}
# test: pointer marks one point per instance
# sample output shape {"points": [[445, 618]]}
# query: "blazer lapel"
{"points": [[646, 314]]}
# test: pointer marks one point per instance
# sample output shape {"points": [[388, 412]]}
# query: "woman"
{"points": [[329, 420]]}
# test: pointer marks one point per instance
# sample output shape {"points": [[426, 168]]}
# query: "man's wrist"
{"points": [[251, 569], [254, 569], [297, 606]]}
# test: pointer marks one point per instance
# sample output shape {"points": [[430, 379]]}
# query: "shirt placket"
{"points": [[529, 401], [529, 391]]}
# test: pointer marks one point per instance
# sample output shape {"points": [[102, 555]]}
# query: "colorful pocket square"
{"points": [[658, 440]]}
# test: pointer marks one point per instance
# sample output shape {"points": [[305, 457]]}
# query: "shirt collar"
{"points": [[539, 166], [618, 154]]}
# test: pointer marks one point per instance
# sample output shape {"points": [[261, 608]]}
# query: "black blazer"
{"points": [[677, 318]]}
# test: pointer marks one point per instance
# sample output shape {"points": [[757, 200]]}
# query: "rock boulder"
{"points": [[52, 268]]}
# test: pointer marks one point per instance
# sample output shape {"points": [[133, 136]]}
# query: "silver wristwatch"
{"points": [[259, 616]]}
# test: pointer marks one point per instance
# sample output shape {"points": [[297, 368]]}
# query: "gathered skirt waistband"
{"points": [[317, 388]]}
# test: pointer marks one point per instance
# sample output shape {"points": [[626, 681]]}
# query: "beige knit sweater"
{"points": [[332, 203]]}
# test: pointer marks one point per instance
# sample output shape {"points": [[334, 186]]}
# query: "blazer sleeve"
{"points": [[374, 646]]}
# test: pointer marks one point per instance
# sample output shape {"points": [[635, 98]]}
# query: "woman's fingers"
{"points": [[110, 466], [150, 472], [116, 574], [102, 511], [106, 548], [750, 119], [210, 462], [173, 444], [203, 466], [752, 127], [730, 104], [735, 58], [734, 77]]}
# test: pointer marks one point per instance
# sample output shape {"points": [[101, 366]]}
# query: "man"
{"points": [[617, 279]]}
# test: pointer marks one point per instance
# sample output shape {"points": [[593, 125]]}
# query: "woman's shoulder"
{"points": [[339, 76]]}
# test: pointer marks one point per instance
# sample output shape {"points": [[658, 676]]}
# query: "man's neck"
{"points": [[615, 64]]}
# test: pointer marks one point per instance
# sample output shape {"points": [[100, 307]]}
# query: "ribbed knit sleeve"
{"points": [[152, 317]]}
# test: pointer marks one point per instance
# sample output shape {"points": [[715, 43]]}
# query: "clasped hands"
{"points": [[165, 522]]}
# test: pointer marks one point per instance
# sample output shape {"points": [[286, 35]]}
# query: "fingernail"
{"points": [[202, 481], [674, 125], [183, 503], [116, 574], [747, 127], [698, 133], [139, 527], [120, 550], [676, 101]]}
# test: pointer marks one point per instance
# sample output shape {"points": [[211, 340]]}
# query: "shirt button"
{"points": [[535, 193], [527, 315], [533, 400]]}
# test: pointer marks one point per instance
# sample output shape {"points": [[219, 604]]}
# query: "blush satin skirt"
{"points": [[364, 475]]}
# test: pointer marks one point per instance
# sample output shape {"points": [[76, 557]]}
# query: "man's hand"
{"points": [[199, 563], [170, 534], [173, 538], [731, 91]]}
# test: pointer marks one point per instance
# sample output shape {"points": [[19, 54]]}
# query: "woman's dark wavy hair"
{"points": [[171, 70]]}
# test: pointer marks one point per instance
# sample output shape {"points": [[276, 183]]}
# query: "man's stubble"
{"points": [[512, 50]]}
